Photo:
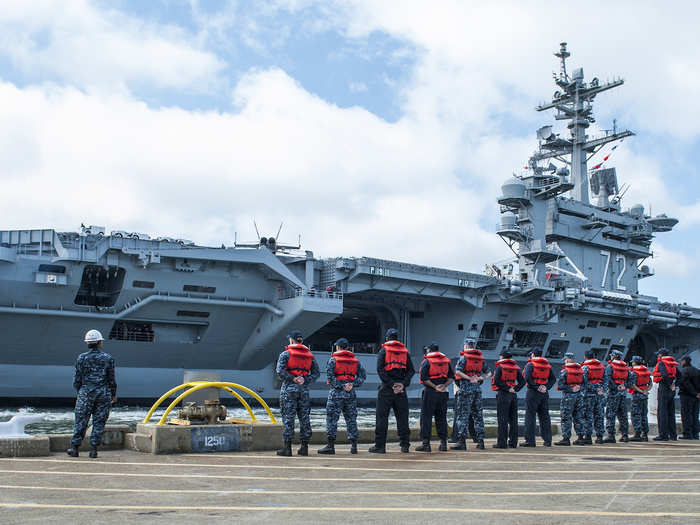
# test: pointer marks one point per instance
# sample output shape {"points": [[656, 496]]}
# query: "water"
{"points": [[60, 420]]}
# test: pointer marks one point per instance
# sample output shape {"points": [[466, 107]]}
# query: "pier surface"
{"points": [[640, 482]]}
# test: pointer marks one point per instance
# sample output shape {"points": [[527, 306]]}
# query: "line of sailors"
{"points": [[593, 395]]}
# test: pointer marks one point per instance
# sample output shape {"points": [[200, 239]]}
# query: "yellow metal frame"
{"points": [[194, 386]]}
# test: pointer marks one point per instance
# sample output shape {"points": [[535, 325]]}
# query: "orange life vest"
{"points": [[439, 365], [670, 364], [643, 375], [300, 358], [396, 355], [620, 372], [509, 373], [541, 370], [345, 365], [574, 374], [474, 362], [596, 370]]}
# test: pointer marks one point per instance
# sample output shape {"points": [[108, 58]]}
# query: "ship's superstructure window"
{"points": [[460, 327], [523, 340], [52, 268], [629, 327], [586, 339], [192, 313], [605, 341], [609, 324], [592, 324], [144, 284], [132, 331], [100, 286], [557, 347], [199, 288], [489, 336]]}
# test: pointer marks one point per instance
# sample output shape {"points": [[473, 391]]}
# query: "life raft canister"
{"points": [[396, 355], [345, 365], [643, 378], [670, 364], [620, 372], [541, 369], [439, 365], [596, 371], [300, 358], [509, 373]]}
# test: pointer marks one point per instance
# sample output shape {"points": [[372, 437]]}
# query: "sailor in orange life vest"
{"points": [[470, 373], [344, 374], [593, 398], [640, 393], [297, 368], [539, 377], [507, 380], [395, 370], [666, 374], [435, 375], [572, 387], [617, 378]]}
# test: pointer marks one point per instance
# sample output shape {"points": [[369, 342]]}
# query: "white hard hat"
{"points": [[93, 336]]}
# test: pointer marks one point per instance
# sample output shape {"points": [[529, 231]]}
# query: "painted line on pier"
{"points": [[423, 510], [263, 492], [360, 480], [352, 469]]}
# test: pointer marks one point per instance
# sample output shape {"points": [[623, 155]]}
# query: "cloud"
{"points": [[73, 42]]}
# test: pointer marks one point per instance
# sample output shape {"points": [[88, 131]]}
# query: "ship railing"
{"points": [[322, 294]]}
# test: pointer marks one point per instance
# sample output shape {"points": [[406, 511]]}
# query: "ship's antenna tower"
{"points": [[575, 103]]}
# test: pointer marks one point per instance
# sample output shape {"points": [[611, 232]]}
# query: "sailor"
{"points": [[507, 380], [666, 373], [594, 398], [539, 377], [344, 374], [616, 380], [97, 391], [640, 399], [435, 375], [297, 368], [470, 372], [689, 392], [395, 370], [572, 388]]}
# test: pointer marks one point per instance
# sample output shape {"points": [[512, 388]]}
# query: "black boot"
{"points": [[303, 449], [72, 452], [637, 437], [353, 447], [374, 449], [579, 441], [443, 446], [425, 447], [329, 448], [660, 438], [599, 440], [93, 452], [405, 447], [564, 442], [460, 445], [588, 440], [286, 450], [527, 444], [609, 439], [624, 438], [480, 445], [645, 437]]}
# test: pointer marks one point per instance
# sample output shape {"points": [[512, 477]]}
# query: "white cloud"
{"points": [[76, 43]]}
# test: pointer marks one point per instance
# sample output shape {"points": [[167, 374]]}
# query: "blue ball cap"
{"points": [[536, 351], [391, 334], [505, 354], [433, 347], [295, 334], [616, 353], [470, 341], [569, 355], [662, 351], [342, 343], [636, 359]]}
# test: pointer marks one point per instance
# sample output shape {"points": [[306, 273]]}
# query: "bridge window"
{"points": [[132, 331], [52, 268], [144, 284], [100, 286], [605, 341], [489, 336], [199, 288], [586, 339], [192, 313], [592, 324], [557, 348], [608, 324], [523, 340]]}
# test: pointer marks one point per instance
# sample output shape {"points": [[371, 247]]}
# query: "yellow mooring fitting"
{"points": [[194, 386]]}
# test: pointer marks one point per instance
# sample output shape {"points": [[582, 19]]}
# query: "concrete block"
{"points": [[24, 447], [138, 442], [112, 439], [261, 436], [167, 439], [59, 442]]}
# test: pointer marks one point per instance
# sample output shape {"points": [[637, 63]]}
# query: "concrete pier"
{"points": [[633, 482]]}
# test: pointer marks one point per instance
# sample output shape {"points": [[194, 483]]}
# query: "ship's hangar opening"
{"points": [[358, 324]]}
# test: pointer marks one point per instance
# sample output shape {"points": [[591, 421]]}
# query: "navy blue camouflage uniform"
{"points": [[469, 405], [571, 407], [341, 401], [96, 386], [593, 406], [295, 400], [616, 402], [639, 411]]}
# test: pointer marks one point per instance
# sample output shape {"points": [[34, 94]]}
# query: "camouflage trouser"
{"points": [[91, 402], [616, 407], [639, 413], [571, 409], [594, 414], [468, 405], [348, 407], [294, 403]]}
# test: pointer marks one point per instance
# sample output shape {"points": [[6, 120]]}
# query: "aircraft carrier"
{"points": [[167, 306]]}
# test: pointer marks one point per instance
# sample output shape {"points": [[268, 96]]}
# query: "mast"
{"points": [[575, 103]]}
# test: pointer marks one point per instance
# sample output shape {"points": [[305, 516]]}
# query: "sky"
{"points": [[369, 128]]}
